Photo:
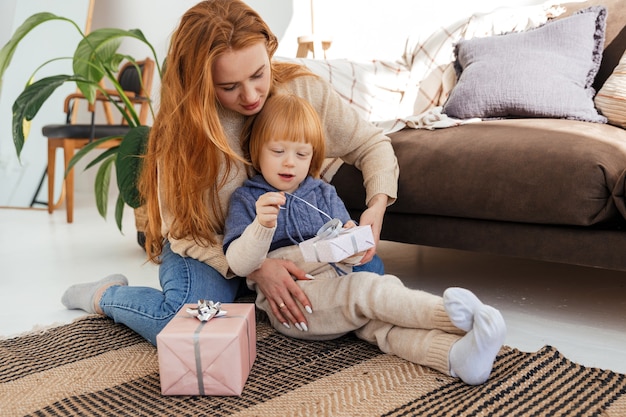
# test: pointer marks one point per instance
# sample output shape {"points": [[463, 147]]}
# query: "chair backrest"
{"points": [[135, 79], [131, 81], [129, 78]]}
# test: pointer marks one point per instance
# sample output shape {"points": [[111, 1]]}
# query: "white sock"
{"points": [[472, 357], [461, 305], [82, 296]]}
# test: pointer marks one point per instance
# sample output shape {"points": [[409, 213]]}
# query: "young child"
{"points": [[272, 212]]}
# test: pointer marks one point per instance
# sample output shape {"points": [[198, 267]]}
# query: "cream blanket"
{"points": [[410, 91]]}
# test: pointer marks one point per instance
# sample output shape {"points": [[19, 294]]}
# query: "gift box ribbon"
{"points": [[197, 352], [355, 245]]}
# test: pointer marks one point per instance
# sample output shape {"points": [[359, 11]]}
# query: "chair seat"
{"points": [[83, 131]]}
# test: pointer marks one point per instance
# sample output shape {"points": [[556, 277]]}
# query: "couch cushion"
{"points": [[532, 170], [548, 171], [542, 72]]}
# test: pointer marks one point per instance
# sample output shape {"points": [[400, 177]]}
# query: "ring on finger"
{"points": [[281, 305]]}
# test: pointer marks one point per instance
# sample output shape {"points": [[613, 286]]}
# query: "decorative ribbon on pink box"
{"points": [[211, 357]]}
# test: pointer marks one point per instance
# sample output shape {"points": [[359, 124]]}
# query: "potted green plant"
{"points": [[96, 58]]}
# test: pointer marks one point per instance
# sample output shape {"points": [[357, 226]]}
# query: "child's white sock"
{"points": [[472, 357], [82, 296], [461, 305]]}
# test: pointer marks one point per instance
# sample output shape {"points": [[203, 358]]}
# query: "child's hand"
{"points": [[349, 224], [268, 207], [355, 259]]}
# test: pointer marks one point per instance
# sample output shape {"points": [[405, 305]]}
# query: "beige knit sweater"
{"points": [[348, 137]]}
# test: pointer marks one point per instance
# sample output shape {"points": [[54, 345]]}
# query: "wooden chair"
{"points": [[71, 136]]}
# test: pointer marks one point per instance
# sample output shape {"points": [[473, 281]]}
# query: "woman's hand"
{"points": [[374, 217], [275, 279]]}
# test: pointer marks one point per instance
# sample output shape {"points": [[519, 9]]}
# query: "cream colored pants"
{"points": [[409, 323]]}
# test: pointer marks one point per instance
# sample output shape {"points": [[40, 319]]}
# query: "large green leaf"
{"points": [[8, 50], [128, 164], [119, 211], [86, 149], [104, 155], [29, 102], [96, 55], [103, 179]]}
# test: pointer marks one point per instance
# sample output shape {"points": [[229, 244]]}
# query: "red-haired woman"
{"points": [[219, 72]]}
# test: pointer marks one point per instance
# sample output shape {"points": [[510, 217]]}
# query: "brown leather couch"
{"points": [[546, 189]]}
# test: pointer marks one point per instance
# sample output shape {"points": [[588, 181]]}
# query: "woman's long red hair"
{"points": [[187, 143]]}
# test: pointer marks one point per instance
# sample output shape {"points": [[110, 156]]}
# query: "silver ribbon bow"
{"points": [[330, 229], [206, 310]]}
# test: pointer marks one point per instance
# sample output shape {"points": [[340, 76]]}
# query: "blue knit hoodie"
{"points": [[297, 222]]}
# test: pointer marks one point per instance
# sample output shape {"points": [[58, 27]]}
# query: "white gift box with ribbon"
{"points": [[335, 249]]}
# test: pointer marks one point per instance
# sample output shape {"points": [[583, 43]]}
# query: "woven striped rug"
{"points": [[94, 367]]}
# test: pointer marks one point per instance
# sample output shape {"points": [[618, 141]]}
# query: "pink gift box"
{"points": [[207, 358], [347, 243]]}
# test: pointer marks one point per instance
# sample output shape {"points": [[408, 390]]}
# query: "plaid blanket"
{"points": [[390, 94]]}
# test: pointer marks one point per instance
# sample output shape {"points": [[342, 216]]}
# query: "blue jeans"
{"points": [[183, 280], [375, 265]]}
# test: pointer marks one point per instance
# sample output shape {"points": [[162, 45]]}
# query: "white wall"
{"points": [[367, 29], [18, 181], [361, 29]]}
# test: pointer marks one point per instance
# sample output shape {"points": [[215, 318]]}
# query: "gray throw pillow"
{"points": [[543, 72]]}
